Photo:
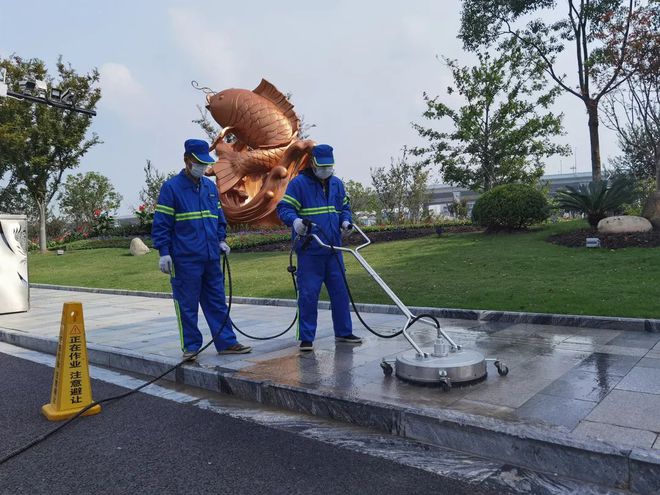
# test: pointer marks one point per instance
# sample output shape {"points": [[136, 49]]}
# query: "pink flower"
{"points": [[142, 207], [97, 213]]}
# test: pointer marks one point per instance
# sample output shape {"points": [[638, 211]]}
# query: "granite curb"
{"points": [[544, 449], [604, 322]]}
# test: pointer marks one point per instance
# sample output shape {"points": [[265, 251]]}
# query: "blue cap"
{"points": [[322, 155], [199, 150]]}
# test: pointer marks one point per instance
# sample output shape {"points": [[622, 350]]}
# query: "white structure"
{"points": [[443, 195]]}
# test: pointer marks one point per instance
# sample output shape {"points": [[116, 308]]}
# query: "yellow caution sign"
{"points": [[72, 389]]}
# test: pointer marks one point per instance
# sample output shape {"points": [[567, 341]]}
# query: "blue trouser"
{"points": [[195, 283], [314, 270]]}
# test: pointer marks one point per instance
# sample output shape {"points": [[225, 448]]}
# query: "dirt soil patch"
{"points": [[578, 238], [382, 236]]}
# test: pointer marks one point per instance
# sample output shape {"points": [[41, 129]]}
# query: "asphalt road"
{"points": [[145, 444]]}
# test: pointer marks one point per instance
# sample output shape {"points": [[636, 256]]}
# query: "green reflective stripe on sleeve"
{"points": [[208, 214], [318, 211], [165, 209], [292, 200], [346, 200]]}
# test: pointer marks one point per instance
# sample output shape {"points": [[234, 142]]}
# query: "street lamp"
{"points": [[36, 91]]}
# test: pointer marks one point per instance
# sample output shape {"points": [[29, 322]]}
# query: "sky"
{"points": [[356, 69]]}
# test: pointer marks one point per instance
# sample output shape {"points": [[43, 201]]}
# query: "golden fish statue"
{"points": [[253, 170]]}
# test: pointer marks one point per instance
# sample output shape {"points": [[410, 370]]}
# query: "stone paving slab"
{"points": [[566, 405]]}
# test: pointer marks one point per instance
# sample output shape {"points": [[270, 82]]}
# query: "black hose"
{"points": [[226, 269], [292, 270]]}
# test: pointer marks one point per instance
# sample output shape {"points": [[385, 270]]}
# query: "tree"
{"points": [[600, 32], [363, 199], [633, 110], [502, 132], [84, 194], [153, 181], [38, 143], [402, 189]]}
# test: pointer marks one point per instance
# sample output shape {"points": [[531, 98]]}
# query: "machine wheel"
{"points": [[387, 368], [502, 369]]}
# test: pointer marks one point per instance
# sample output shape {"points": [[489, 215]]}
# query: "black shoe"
{"points": [[189, 355], [306, 346], [350, 339], [236, 349]]}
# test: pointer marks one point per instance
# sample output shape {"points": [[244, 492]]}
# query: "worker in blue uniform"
{"points": [[317, 196], [189, 231]]}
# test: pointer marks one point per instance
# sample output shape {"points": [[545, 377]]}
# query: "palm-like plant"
{"points": [[596, 199]]}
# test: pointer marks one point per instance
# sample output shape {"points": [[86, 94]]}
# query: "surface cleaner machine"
{"points": [[445, 364]]}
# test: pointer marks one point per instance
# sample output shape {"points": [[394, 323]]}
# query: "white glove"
{"points": [[165, 264], [299, 226], [346, 225], [224, 247]]}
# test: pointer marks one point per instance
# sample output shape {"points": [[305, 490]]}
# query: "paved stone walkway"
{"points": [[595, 383]]}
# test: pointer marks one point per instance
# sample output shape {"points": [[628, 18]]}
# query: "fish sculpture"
{"points": [[258, 151]]}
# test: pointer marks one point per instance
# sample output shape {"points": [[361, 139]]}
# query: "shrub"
{"points": [[597, 199], [103, 223], [510, 206], [145, 215]]}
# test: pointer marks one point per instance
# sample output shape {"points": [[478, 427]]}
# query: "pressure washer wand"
{"points": [[404, 309]]}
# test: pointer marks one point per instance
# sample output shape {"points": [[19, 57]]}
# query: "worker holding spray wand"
{"points": [[317, 196], [189, 231]]}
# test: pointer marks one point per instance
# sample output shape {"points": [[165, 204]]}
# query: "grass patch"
{"points": [[515, 272]]}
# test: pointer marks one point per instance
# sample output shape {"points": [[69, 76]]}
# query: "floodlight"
{"points": [[67, 97], [27, 86], [41, 85], [55, 94]]}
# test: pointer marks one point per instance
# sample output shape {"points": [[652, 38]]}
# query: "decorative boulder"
{"points": [[138, 248], [652, 209], [624, 224]]}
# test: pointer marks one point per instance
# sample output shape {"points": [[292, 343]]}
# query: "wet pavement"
{"points": [[593, 383]]}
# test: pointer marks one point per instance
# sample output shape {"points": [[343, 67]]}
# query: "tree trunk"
{"points": [[592, 111], [42, 227]]}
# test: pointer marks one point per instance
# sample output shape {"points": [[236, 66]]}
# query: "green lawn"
{"points": [[516, 272]]}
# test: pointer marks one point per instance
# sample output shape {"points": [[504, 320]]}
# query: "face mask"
{"points": [[324, 172], [197, 170]]}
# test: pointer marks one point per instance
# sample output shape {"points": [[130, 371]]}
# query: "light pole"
{"points": [[36, 91]]}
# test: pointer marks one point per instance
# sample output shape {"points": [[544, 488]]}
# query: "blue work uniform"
{"points": [[189, 225], [327, 206]]}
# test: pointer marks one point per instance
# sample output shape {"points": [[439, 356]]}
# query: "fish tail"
{"points": [[226, 175]]}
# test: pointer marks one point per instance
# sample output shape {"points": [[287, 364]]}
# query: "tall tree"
{"points": [[402, 189], [363, 199], [633, 110], [38, 143], [504, 129], [83, 194], [598, 31]]}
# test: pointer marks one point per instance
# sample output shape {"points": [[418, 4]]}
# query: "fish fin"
{"points": [[225, 175], [270, 92]]}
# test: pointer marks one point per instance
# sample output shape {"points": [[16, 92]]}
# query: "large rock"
{"points": [[624, 224], [138, 248], [652, 209]]}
